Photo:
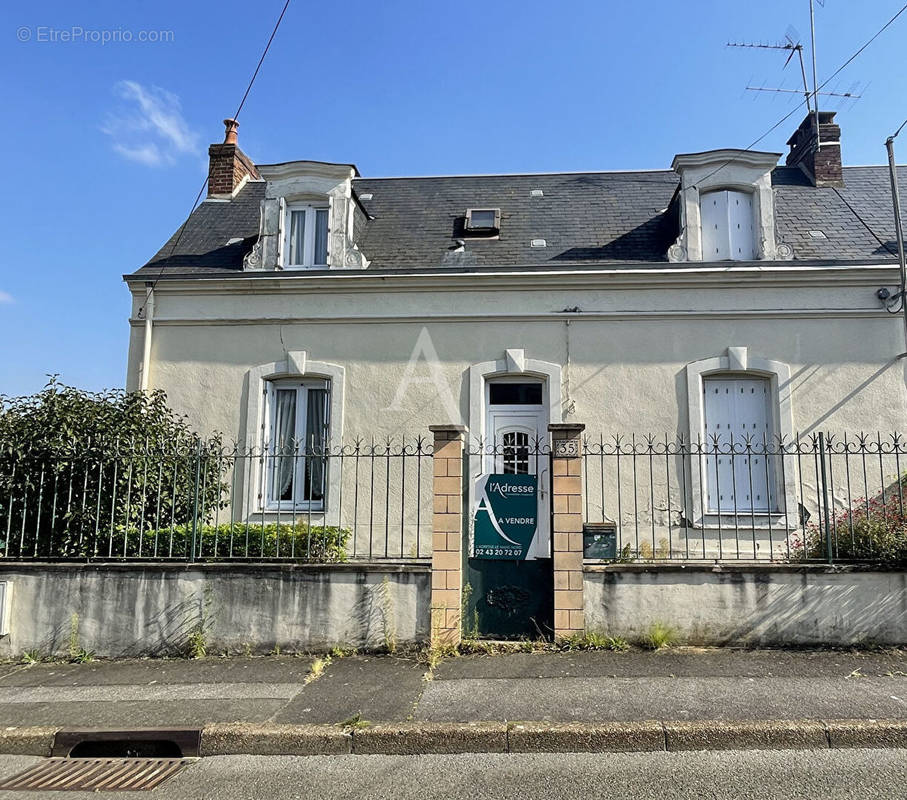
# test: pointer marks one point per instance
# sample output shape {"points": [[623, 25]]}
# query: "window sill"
{"points": [[744, 519]]}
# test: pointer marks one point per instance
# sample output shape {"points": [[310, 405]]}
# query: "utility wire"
{"points": [[198, 197], [803, 102], [903, 124]]}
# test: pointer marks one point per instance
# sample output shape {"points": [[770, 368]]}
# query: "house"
{"points": [[730, 297]]}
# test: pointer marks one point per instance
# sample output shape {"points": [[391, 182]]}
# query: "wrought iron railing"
{"points": [[358, 500], [819, 497]]}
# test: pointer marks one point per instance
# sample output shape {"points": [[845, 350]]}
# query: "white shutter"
{"points": [[281, 231], [715, 243], [735, 409], [740, 225], [727, 226]]}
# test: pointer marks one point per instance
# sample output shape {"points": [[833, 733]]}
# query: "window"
{"points": [[307, 236], [727, 226], [738, 431], [483, 220], [515, 394], [515, 453], [298, 424]]}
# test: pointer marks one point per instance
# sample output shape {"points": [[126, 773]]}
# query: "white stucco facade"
{"points": [[623, 356]]}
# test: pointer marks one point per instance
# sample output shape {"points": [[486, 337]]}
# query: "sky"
{"points": [[109, 107]]}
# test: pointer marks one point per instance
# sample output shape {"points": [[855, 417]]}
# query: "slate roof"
{"points": [[613, 219]]}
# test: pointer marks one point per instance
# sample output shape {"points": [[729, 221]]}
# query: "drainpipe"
{"points": [[896, 199], [146, 349]]}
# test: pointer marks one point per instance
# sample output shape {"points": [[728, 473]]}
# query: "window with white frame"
{"points": [[297, 432], [307, 236], [727, 226], [739, 436]]}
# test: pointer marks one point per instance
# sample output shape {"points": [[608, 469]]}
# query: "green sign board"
{"points": [[505, 516]]}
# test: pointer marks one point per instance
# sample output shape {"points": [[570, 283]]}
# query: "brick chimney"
{"points": [[227, 164], [822, 166]]}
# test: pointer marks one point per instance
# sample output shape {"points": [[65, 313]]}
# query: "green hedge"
{"points": [[318, 543]]}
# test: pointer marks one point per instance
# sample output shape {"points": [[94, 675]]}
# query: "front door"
{"points": [[515, 598]]}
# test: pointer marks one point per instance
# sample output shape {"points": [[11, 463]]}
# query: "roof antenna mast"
{"points": [[793, 46], [812, 36]]}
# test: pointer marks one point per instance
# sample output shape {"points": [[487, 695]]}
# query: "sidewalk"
{"points": [[669, 686]]}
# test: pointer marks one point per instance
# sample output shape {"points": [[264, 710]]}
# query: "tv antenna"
{"points": [[793, 46]]}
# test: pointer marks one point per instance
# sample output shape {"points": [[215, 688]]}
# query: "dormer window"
{"points": [[483, 221], [725, 206], [727, 226], [307, 236]]}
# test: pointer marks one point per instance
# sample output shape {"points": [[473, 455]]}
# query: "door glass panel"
{"points": [[515, 453], [515, 394]]}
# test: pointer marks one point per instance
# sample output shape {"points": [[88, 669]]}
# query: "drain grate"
{"points": [[96, 774]]}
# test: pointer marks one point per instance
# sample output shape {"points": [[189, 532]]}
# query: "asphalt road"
{"points": [[830, 775]]}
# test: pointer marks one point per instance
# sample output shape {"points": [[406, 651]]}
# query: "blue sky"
{"points": [[105, 143]]}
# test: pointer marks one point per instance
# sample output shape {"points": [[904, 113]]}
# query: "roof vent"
{"points": [[366, 196], [538, 243], [818, 234], [536, 193]]}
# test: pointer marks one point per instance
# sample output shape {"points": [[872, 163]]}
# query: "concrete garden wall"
{"points": [[153, 609], [749, 605]]}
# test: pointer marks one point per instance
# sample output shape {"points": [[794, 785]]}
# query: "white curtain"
{"points": [[284, 444], [297, 238]]}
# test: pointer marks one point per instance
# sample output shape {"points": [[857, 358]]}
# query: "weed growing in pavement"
{"points": [[197, 644], [317, 669], [355, 722], [343, 652], [84, 656], [659, 635], [30, 657], [592, 640], [246, 649]]}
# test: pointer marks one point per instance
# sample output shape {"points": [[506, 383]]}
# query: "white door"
{"points": [[516, 444]]}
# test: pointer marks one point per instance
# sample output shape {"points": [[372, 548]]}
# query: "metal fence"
{"points": [[359, 500], [820, 497]]}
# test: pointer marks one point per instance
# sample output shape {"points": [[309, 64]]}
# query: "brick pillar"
{"points": [[447, 534], [567, 497]]}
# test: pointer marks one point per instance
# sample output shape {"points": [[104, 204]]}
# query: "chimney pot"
{"points": [[231, 125], [228, 166]]}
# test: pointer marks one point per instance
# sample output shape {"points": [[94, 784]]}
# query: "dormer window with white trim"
{"points": [[725, 206], [307, 218], [307, 236], [727, 226]]}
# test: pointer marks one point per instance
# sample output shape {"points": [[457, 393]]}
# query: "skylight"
{"points": [[483, 220]]}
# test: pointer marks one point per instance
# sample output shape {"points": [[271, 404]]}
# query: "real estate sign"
{"points": [[506, 516]]}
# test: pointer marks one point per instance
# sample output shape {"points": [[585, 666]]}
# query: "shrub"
{"points": [[73, 462], [318, 543], [871, 530]]}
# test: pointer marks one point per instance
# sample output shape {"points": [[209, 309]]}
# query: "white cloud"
{"points": [[148, 127], [6, 297]]}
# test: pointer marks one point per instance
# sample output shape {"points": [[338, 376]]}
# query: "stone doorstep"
{"points": [[413, 738]]}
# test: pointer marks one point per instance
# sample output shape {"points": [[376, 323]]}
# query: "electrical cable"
{"points": [[198, 197]]}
